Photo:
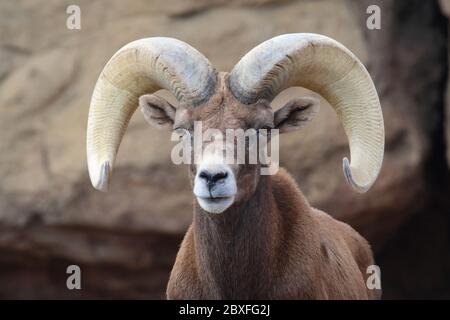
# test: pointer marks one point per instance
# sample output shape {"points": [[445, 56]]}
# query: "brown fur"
{"points": [[275, 246], [270, 244]]}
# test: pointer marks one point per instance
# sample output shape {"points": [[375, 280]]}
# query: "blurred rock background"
{"points": [[125, 241]]}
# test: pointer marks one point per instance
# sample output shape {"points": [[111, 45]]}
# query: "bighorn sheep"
{"points": [[252, 236]]}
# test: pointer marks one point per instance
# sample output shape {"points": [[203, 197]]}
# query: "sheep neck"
{"points": [[236, 250]]}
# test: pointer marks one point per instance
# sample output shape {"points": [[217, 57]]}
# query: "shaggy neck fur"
{"points": [[238, 250], [272, 246]]}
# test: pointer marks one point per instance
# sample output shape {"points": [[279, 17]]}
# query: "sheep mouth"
{"points": [[216, 199], [215, 204]]}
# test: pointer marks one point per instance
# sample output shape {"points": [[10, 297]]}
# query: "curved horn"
{"points": [[327, 67], [142, 66]]}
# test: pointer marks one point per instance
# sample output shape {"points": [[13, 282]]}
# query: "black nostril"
{"points": [[204, 175], [212, 178], [219, 176]]}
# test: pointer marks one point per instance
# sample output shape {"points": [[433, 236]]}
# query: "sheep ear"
{"points": [[157, 111], [296, 114]]}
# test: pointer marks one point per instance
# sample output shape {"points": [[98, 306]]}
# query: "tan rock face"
{"points": [[51, 217]]}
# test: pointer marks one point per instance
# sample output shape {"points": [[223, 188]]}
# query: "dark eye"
{"points": [[181, 132], [265, 130], [267, 126]]}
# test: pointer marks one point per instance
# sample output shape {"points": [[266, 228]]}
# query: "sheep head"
{"points": [[236, 100]]}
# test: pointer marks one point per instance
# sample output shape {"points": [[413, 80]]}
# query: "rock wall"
{"points": [[125, 241]]}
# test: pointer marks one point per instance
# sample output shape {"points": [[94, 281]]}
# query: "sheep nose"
{"points": [[212, 177]]}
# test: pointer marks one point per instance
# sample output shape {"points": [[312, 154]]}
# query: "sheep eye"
{"points": [[265, 131], [181, 132]]}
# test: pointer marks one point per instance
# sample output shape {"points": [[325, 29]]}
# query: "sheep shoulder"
{"points": [[327, 258]]}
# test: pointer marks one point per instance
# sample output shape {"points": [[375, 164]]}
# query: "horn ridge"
{"points": [[327, 67], [140, 67]]}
